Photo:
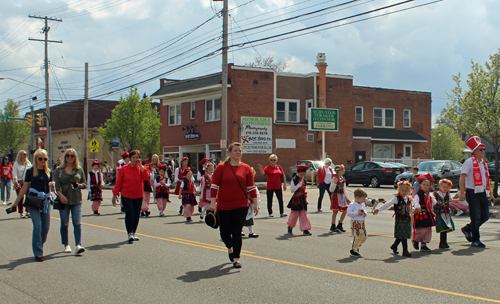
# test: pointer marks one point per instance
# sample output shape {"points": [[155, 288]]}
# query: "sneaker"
{"points": [[96, 213], [319, 210], [201, 217], [130, 238], [236, 265], [80, 249], [4, 203], [415, 244], [282, 215], [142, 213], [242, 233], [270, 215], [478, 244], [9, 203], [306, 232], [67, 249], [253, 235], [147, 213], [39, 259], [161, 213], [136, 238], [424, 248], [355, 254], [290, 230], [459, 213], [468, 235], [189, 219]]}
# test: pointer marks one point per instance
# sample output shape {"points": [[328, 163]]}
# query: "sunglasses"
{"points": [[481, 149], [272, 160], [70, 156], [42, 159]]}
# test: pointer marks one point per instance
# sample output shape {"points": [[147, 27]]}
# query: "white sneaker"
{"points": [[459, 212], [136, 238], [131, 238], [67, 249], [161, 213], [4, 203], [80, 249]]}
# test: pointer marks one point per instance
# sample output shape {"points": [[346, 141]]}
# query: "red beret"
{"points": [[162, 167], [302, 168], [145, 161], [204, 160], [427, 175], [125, 154], [96, 162]]}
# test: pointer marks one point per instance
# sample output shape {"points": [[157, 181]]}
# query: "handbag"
{"points": [[58, 205], [34, 201]]}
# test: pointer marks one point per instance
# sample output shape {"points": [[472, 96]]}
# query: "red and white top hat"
{"points": [[474, 142]]}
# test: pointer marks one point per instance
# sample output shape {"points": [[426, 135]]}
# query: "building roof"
{"points": [[190, 84], [382, 134]]}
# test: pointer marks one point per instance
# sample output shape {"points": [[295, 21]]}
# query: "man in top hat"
{"points": [[475, 186]]}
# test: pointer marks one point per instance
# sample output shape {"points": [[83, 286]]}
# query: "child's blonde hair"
{"points": [[404, 184]]}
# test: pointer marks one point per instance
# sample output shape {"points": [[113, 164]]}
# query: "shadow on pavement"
{"points": [[327, 234], [107, 246], [194, 222], [285, 237], [211, 273], [107, 214], [13, 218], [14, 263], [348, 259], [467, 251]]}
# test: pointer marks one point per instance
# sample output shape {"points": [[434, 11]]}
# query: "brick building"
{"points": [[373, 122]]}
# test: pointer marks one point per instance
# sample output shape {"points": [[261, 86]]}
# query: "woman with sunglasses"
{"points": [[21, 165], [275, 176], [6, 171], [38, 180], [70, 180]]}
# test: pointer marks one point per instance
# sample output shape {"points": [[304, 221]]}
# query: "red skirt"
{"points": [[339, 202], [178, 188]]}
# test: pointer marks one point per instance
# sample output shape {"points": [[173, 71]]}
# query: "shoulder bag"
{"points": [[58, 205], [35, 202]]}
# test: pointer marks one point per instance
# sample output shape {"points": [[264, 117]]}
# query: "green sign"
{"points": [[323, 119], [4, 117]]}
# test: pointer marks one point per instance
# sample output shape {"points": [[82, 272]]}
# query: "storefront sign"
{"points": [[192, 135], [115, 144], [323, 119], [257, 135]]}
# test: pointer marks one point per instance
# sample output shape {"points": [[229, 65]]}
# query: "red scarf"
{"points": [[478, 181]]}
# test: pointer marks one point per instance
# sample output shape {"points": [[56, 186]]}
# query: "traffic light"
{"points": [[30, 120], [39, 119]]}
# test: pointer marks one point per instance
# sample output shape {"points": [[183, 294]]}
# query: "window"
{"points": [[358, 166], [287, 111], [212, 107], [359, 114], [407, 118], [383, 118], [407, 151], [310, 137], [193, 106], [174, 115], [309, 104], [371, 166]]}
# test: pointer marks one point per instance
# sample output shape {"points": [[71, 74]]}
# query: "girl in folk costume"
{"points": [[250, 215], [444, 222], [95, 187], [187, 194], [340, 202], [179, 176], [402, 211], [298, 203], [204, 189], [161, 184], [148, 188], [423, 219], [201, 172]]}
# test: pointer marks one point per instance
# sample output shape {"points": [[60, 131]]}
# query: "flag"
{"points": [[40, 143]]}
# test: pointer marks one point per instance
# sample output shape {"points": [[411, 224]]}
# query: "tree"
{"points": [[447, 144], [269, 62], [136, 122], [476, 111], [15, 134]]}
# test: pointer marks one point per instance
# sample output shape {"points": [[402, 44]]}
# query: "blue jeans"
{"points": [[76, 218], [6, 185], [479, 210], [322, 188], [41, 225]]}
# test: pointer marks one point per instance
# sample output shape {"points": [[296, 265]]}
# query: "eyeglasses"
{"points": [[481, 149], [42, 159], [272, 160], [69, 156]]}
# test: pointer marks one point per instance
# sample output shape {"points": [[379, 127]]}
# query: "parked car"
{"points": [[491, 170], [439, 169], [313, 165], [405, 167], [372, 173]]}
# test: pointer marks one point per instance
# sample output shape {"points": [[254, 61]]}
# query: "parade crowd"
{"points": [[227, 198]]}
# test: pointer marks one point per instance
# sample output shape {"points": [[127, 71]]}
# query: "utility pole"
{"points": [[86, 117], [46, 30], [32, 133], [224, 109]]}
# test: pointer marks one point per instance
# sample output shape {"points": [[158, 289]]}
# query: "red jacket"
{"points": [[321, 174], [227, 190], [130, 182]]}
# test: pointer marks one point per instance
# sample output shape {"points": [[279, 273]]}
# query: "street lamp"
{"points": [[22, 82]]}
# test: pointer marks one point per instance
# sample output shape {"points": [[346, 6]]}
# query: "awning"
{"points": [[383, 134]]}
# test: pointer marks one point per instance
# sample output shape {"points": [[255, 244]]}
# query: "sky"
{"points": [[136, 42]]}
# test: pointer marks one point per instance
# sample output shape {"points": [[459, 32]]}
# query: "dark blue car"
{"points": [[372, 173]]}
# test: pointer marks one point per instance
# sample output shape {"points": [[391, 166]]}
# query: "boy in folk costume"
{"points": [[204, 189], [148, 188], [423, 219], [250, 215], [357, 212], [95, 187], [444, 222], [187, 194], [179, 176], [339, 199], [402, 211], [161, 184], [298, 202]]}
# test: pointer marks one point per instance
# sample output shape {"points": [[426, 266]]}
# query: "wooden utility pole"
{"points": [[224, 109], [86, 118]]}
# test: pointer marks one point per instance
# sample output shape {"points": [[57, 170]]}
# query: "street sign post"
{"points": [[323, 119], [94, 144], [115, 143]]}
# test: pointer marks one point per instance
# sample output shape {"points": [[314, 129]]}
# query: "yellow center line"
{"points": [[194, 242]]}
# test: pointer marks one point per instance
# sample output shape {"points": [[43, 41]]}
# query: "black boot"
{"points": [[424, 248], [415, 244], [142, 213], [290, 230], [406, 253], [147, 213], [443, 244], [340, 228], [394, 246], [333, 228], [180, 210]]}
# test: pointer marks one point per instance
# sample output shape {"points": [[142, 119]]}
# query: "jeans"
{"points": [[231, 223], [479, 210], [132, 208], [6, 185], [76, 218], [41, 225], [279, 196], [322, 188]]}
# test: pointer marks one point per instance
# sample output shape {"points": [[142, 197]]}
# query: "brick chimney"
{"points": [[321, 66]]}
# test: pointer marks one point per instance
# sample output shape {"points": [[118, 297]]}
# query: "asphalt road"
{"points": [[178, 262]]}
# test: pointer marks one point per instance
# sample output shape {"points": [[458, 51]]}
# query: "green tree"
{"points": [[447, 144], [15, 134], [476, 111], [136, 122]]}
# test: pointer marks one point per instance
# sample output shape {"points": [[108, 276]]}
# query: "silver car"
{"points": [[313, 165]]}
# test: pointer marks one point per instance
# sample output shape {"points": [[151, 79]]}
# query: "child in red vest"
{"points": [[161, 184], [340, 202], [423, 219], [95, 187], [298, 203], [187, 194]]}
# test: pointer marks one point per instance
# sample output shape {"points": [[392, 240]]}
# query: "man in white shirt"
{"points": [[475, 187]]}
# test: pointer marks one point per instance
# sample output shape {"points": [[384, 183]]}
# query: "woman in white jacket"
{"points": [[21, 164]]}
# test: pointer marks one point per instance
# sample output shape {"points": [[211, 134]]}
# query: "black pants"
{"points": [[132, 208], [231, 223], [479, 210], [322, 188], [279, 195]]}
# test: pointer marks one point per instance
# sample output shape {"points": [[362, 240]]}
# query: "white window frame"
{"points": [[210, 119], [362, 114], [310, 135], [309, 104], [192, 110], [383, 118], [411, 151], [409, 118], [179, 117], [287, 103]]}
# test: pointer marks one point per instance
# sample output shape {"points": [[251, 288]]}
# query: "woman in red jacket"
{"points": [[232, 187], [130, 183], [323, 181], [275, 176]]}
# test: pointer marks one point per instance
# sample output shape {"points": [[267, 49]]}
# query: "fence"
{"points": [[407, 161]]}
